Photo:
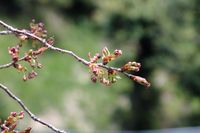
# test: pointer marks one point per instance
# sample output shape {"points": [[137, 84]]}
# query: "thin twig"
{"points": [[5, 89], [116, 69], [11, 63], [6, 32]]}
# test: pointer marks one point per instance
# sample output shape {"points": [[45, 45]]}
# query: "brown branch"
{"points": [[11, 95]]}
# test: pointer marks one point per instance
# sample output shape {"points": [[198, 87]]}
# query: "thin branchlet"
{"points": [[6, 32], [19, 101]]}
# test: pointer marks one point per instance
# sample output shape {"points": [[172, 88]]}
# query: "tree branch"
{"points": [[11, 95], [6, 32], [45, 43], [11, 63]]}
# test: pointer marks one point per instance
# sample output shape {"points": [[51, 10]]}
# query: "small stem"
{"points": [[11, 95], [6, 32], [11, 63]]}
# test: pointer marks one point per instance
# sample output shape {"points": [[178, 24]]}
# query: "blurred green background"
{"points": [[161, 34]]}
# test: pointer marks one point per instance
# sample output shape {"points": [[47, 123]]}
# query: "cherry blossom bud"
{"points": [[94, 79], [105, 81], [50, 41], [140, 80], [20, 67], [14, 114], [135, 64], [107, 59], [21, 115], [14, 52], [95, 58], [117, 52], [12, 127], [40, 50], [28, 58], [23, 37], [131, 66], [32, 74], [25, 78]]}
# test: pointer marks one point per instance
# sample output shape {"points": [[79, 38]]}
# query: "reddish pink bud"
{"points": [[112, 72], [32, 74], [98, 55], [12, 127], [14, 52], [95, 58], [21, 115], [14, 114], [94, 68], [94, 79], [15, 58], [50, 40], [28, 58], [117, 52]]}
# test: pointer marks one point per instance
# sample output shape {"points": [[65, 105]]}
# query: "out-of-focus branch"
{"points": [[6, 32], [15, 98]]}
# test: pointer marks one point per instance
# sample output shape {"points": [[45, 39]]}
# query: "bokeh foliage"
{"points": [[162, 35]]}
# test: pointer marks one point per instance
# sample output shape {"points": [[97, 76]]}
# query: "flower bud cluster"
{"points": [[31, 56], [104, 76], [131, 66], [14, 52], [10, 123], [38, 29], [107, 56], [109, 75]]}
